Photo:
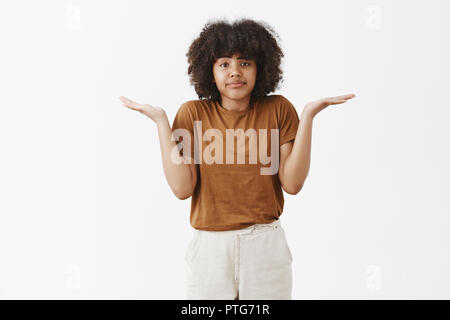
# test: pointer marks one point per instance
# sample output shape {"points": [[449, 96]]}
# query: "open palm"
{"points": [[155, 113], [315, 107]]}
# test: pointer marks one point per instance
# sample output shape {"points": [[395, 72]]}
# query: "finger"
{"points": [[128, 106], [127, 100], [343, 97], [333, 100], [131, 106], [336, 101], [132, 103]]}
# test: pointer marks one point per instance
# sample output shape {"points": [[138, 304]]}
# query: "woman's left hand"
{"points": [[315, 107]]}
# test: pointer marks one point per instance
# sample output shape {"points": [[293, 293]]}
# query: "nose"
{"points": [[235, 71], [235, 75]]}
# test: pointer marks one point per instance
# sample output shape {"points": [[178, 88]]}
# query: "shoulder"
{"points": [[271, 98], [277, 100], [283, 102], [279, 104], [195, 107]]}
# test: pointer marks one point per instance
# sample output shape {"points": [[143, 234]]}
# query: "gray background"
{"points": [[85, 209]]}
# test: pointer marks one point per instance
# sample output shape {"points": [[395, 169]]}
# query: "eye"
{"points": [[227, 63]]}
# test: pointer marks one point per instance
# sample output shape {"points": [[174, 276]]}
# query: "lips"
{"points": [[236, 84]]}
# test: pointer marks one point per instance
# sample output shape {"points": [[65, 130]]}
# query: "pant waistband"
{"points": [[253, 228]]}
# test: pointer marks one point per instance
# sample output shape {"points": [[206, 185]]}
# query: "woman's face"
{"points": [[227, 70]]}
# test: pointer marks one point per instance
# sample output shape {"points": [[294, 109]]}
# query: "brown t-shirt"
{"points": [[234, 193]]}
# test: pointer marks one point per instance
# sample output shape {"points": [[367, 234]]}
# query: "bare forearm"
{"points": [[178, 175], [297, 164]]}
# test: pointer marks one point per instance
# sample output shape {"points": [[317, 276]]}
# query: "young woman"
{"points": [[239, 249]]}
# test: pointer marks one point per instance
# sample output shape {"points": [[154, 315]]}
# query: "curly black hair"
{"points": [[256, 40]]}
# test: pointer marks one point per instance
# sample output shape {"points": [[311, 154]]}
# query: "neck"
{"points": [[235, 104]]}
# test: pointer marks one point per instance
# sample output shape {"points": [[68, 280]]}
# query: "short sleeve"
{"points": [[184, 119], [288, 121]]}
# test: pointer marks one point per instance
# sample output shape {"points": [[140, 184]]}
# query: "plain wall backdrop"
{"points": [[86, 212]]}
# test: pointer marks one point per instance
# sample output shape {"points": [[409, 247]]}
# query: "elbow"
{"points": [[183, 197], [293, 190], [183, 194]]}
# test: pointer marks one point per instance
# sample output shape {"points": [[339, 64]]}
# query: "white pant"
{"points": [[246, 264]]}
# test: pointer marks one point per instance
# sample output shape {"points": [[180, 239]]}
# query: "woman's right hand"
{"points": [[157, 114]]}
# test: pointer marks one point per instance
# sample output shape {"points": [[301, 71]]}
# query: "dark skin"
{"points": [[227, 70], [294, 156]]}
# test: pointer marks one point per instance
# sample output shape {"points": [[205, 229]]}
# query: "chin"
{"points": [[239, 95]]}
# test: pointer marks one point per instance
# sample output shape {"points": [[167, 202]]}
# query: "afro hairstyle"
{"points": [[255, 40]]}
